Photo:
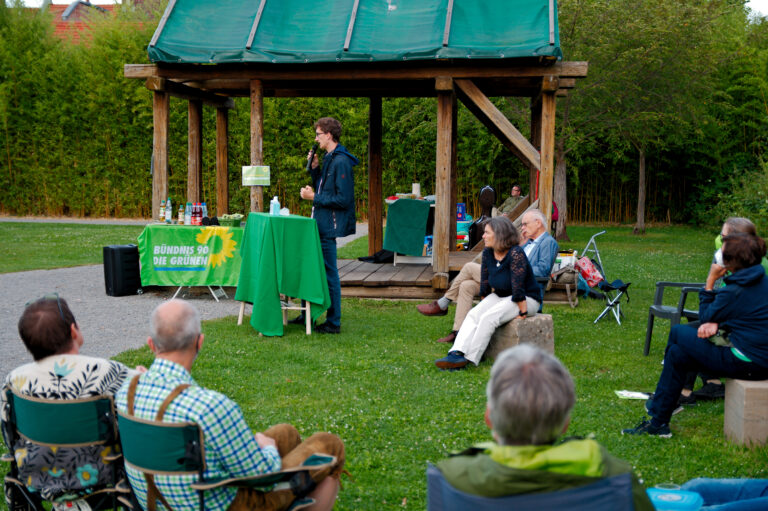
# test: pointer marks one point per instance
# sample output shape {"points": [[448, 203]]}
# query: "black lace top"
{"points": [[512, 276]]}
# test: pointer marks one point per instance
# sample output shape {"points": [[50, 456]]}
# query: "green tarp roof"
{"points": [[293, 31]]}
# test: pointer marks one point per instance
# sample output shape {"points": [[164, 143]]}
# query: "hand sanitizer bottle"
{"points": [[274, 206]]}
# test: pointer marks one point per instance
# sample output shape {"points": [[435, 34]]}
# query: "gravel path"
{"points": [[109, 324]]}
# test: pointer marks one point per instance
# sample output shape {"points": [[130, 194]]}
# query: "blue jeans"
{"points": [[730, 494], [333, 315], [686, 352]]}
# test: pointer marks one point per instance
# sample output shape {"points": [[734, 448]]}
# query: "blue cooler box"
{"points": [[675, 500]]}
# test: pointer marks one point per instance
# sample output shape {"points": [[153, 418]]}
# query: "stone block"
{"points": [[537, 330], [746, 411]]}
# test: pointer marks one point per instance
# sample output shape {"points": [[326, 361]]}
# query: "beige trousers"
{"points": [[463, 290], [293, 453]]}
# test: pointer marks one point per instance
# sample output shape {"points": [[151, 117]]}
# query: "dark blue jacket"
{"points": [[741, 309], [335, 194], [512, 276]]}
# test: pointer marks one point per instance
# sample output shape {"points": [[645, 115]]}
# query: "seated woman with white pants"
{"points": [[509, 289]]}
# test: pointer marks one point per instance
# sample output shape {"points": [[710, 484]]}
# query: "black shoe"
{"points": [[299, 320], [327, 328], [646, 428], [710, 392], [689, 400]]}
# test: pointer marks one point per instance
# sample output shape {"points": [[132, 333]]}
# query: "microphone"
{"points": [[311, 157]]}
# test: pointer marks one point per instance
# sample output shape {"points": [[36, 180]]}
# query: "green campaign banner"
{"points": [[190, 255]]}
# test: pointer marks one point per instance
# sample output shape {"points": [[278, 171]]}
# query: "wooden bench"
{"points": [[537, 330], [746, 411]]}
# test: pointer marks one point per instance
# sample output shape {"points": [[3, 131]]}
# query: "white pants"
{"points": [[483, 320]]}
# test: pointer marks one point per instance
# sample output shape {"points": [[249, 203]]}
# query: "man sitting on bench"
{"points": [[541, 250]]}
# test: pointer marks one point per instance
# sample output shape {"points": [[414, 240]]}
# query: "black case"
{"points": [[121, 270]]}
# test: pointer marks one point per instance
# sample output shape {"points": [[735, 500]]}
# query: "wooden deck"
{"points": [[371, 280]]}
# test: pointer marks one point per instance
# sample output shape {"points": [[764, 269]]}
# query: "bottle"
{"points": [[205, 209], [168, 211], [181, 214], [274, 206], [197, 214], [188, 214], [162, 211]]}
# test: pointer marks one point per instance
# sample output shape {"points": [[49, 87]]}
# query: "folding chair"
{"points": [[608, 494], [612, 291], [154, 447], [63, 424]]}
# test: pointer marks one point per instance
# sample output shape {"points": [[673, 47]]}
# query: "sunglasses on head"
{"points": [[51, 297]]}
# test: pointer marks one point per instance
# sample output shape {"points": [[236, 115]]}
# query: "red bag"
{"points": [[588, 271]]}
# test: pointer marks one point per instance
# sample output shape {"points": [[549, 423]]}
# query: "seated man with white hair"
{"points": [[530, 396]]}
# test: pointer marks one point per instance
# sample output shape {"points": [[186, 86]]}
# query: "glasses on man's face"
{"points": [[318, 133], [51, 296]]}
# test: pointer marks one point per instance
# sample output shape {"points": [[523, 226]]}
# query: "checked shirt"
{"points": [[230, 447]]}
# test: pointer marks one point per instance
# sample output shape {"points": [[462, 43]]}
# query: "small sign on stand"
{"points": [[255, 175]]}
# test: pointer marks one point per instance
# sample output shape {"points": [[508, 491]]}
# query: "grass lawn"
{"points": [[41, 246], [376, 387]]}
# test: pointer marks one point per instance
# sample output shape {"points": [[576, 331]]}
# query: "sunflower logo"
{"points": [[222, 246]]}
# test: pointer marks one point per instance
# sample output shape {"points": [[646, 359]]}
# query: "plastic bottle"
{"points": [[205, 209], [162, 211], [274, 206], [188, 214], [168, 211], [181, 214], [197, 217]]}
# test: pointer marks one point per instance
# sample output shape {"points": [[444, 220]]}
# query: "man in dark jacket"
{"points": [[530, 396], [333, 207]]}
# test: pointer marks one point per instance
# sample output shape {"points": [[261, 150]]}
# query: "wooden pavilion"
{"points": [[463, 53]]}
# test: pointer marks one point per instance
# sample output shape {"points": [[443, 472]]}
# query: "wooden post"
{"points": [[375, 207], [222, 161], [445, 209], [257, 140], [546, 177], [160, 110], [536, 142], [195, 150]]}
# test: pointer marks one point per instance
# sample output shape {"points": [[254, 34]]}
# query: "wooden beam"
{"points": [[546, 177], [182, 91], [222, 161], [441, 244], [195, 151], [257, 141], [487, 112], [375, 206], [160, 117], [533, 171], [417, 70]]}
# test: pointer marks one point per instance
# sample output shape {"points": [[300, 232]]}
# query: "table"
{"points": [[190, 255], [281, 254]]}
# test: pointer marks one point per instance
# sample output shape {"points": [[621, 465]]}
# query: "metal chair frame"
{"points": [[612, 291]]}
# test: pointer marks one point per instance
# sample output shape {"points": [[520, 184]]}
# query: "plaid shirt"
{"points": [[230, 447]]}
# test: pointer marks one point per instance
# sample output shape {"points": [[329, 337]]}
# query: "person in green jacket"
{"points": [[530, 396]]}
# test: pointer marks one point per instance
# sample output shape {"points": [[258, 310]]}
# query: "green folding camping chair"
{"points": [[63, 424], [155, 447]]}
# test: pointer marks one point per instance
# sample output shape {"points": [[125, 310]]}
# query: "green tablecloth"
{"points": [[188, 255], [281, 254]]}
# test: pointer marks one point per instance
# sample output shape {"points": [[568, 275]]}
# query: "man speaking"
{"points": [[333, 207]]}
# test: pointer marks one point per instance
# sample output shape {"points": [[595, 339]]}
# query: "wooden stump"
{"points": [[746, 411], [538, 330]]}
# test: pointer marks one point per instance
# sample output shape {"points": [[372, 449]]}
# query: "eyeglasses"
{"points": [[318, 133], [51, 296]]}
